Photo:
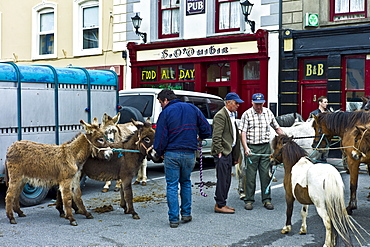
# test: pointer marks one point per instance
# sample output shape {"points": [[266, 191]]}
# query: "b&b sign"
{"points": [[194, 7]]}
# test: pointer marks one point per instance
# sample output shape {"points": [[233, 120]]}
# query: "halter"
{"points": [[95, 147], [358, 149]]}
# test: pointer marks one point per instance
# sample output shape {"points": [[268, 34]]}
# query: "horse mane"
{"points": [[341, 121], [290, 149]]}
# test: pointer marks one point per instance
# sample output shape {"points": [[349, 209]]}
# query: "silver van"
{"points": [[140, 103]]}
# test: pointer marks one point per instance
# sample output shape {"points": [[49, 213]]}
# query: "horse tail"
{"points": [[336, 209]]}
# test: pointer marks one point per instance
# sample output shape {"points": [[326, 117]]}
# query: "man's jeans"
{"points": [[178, 167]]}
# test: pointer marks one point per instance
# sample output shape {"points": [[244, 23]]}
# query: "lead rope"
{"points": [[201, 169]]}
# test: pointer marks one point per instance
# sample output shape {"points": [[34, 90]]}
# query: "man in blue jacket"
{"points": [[179, 127]]}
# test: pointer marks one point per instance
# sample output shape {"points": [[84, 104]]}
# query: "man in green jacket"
{"points": [[225, 149]]}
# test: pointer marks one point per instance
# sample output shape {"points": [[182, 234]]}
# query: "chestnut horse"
{"points": [[342, 124], [319, 184], [47, 165]]}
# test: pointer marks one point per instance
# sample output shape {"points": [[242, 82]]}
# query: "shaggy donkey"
{"points": [[123, 165], [47, 165]]}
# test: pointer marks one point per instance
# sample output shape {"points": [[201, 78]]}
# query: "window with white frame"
{"points": [[347, 9], [227, 15], [169, 18], [87, 33], [43, 31]]}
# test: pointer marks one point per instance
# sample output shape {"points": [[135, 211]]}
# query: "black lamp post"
{"points": [[247, 9], [136, 21]]}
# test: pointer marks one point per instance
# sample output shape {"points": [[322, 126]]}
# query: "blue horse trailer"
{"points": [[44, 104]]}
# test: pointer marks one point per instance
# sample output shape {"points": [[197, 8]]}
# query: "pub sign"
{"points": [[194, 7]]}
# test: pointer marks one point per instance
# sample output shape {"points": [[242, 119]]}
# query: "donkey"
{"points": [[116, 133], [47, 165], [123, 165]]}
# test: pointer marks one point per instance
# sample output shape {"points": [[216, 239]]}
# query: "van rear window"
{"points": [[208, 106], [144, 103]]}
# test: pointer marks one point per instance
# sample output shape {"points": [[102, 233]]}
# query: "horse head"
{"points": [[277, 145], [97, 139], [322, 133], [110, 127], [361, 147]]}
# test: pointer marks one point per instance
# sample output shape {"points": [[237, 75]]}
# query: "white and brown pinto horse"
{"points": [[47, 165], [312, 184]]}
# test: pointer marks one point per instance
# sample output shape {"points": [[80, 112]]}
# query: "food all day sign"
{"points": [[194, 7]]}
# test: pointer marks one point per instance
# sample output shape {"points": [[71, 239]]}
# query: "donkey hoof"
{"points": [[136, 183], [62, 215], [12, 221], [22, 215], [136, 217], [89, 216], [302, 233], [143, 183], [73, 223], [104, 190]]}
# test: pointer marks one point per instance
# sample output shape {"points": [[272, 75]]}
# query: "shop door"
{"points": [[309, 98]]}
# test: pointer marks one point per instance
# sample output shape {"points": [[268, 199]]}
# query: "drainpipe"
{"points": [[280, 52]]}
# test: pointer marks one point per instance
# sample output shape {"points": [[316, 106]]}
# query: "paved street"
{"points": [[259, 227]]}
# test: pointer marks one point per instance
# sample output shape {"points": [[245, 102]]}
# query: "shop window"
{"points": [[347, 9], [44, 33], [168, 73], [186, 72], [227, 15], [169, 18], [251, 70], [354, 82], [218, 72]]}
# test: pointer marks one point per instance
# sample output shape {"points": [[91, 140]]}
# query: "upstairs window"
{"points": [[46, 32], [347, 9], [87, 37], [169, 17], [227, 15]]}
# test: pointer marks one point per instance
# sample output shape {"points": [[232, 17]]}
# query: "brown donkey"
{"points": [[47, 165], [123, 165]]}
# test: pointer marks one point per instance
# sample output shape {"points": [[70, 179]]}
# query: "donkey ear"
{"points": [[104, 119], [148, 120], [95, 121], [116, 118], [137, 123], [87, 127]]}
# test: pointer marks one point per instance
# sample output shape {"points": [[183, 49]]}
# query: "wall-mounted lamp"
{"points": [[136, 21], [247, 9]]}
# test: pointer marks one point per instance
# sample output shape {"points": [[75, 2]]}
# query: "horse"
{"points": [[318, 184], [342, 124], [123, 165], [47, 165], [287, 120]]}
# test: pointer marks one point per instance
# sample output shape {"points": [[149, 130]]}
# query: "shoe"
{"points": [[223, 210], [230, 208], [174, 224], [186, 218], [268, 205], [248, 206]]}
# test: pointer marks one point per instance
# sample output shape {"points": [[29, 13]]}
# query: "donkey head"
{"points": [[145, 138], [109, 125], [97, 140]]}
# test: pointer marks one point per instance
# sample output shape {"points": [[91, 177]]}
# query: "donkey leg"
{"points": [[144, 166], [304, 213], [66, 190], [11, 193], [353, 167], [118, 185], [106, 186], [77, 199], [16, 204], [59, 204], [128, 198], [139, 175]]}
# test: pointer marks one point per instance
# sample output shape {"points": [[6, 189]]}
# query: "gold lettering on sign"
{"points": [[315, 69], [320, 69], [148, 75], [308, 70], [186, 74]]}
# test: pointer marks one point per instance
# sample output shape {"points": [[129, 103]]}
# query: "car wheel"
{"points": [[31, 195]]}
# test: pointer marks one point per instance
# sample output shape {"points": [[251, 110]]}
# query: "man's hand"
{"points": [[247, 152]]}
